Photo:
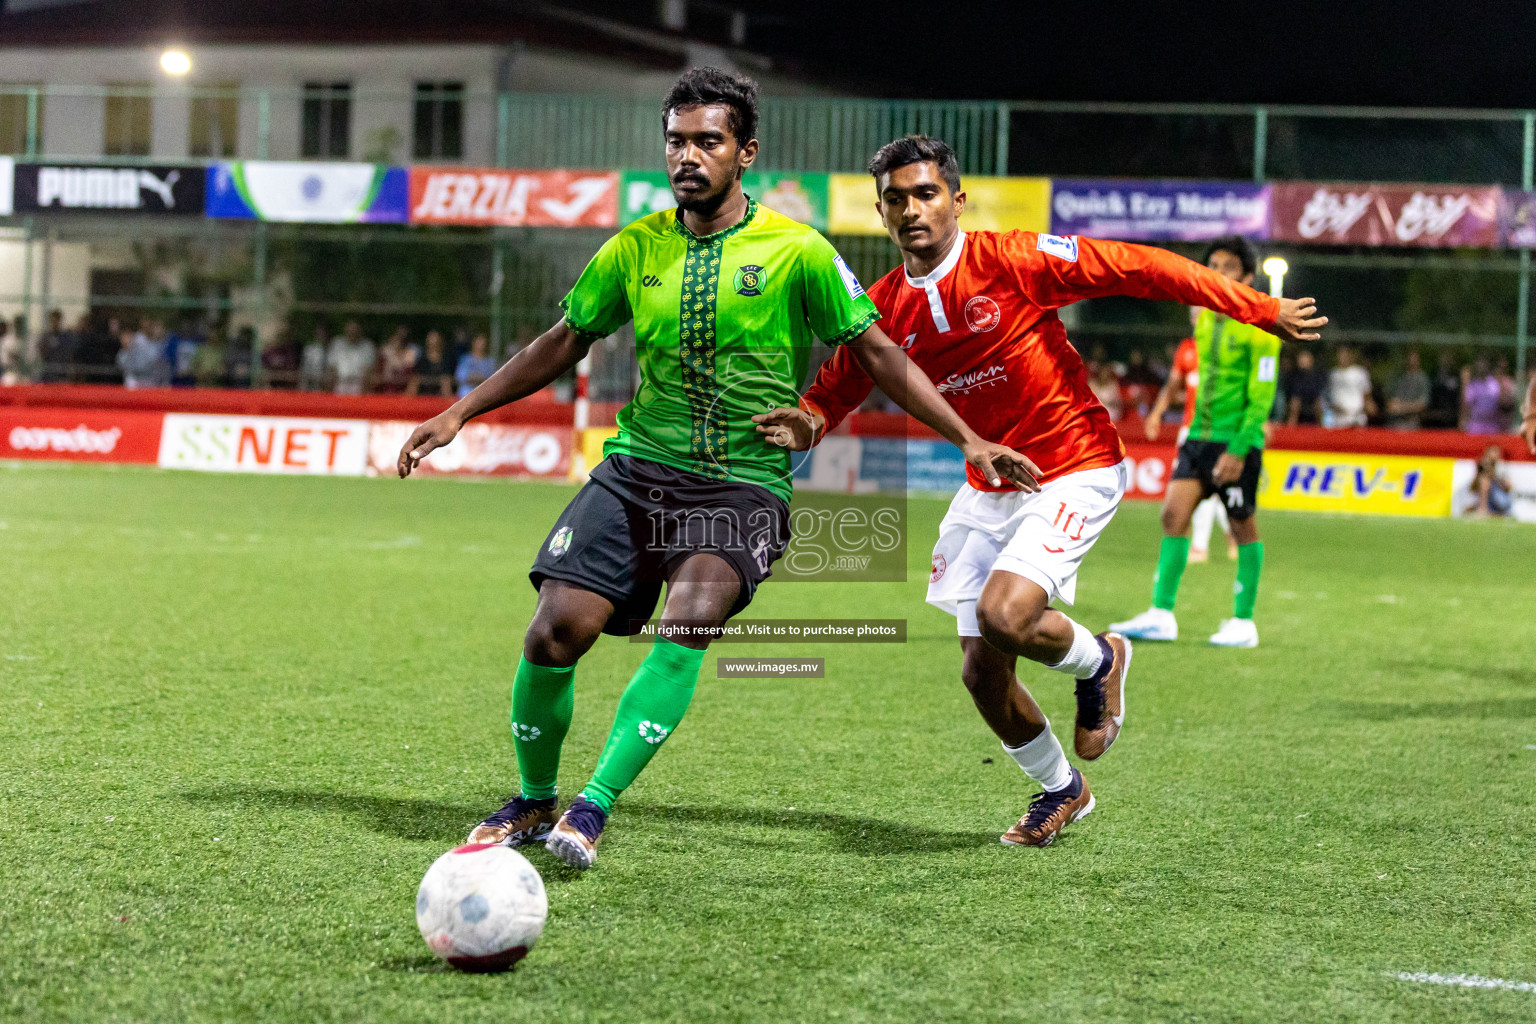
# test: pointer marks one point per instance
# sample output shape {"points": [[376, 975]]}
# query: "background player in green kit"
{"points": [[1223, 455], [726, 298]]}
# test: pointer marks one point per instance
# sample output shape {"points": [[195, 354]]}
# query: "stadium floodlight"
{"points": [[175, 62], [1276, 267]]}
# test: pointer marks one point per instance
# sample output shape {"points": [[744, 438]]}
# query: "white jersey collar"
{"points": [[941, 271]]}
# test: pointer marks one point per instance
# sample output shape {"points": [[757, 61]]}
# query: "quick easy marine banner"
{"points": [[1159, 211]]}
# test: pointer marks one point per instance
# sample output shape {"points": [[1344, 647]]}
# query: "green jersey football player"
{"points": [[726, 298], [1223, 455]]}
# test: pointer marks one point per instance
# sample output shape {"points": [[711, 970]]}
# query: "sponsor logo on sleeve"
{"points": [[1063, 247], [1267, 365], [850, 281]]}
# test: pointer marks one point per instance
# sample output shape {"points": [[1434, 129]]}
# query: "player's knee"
{"points": [[1175, 521], [1009, 624], [555, 643]]}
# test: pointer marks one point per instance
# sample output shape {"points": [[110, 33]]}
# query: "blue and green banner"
{"points": [[308, 193]]}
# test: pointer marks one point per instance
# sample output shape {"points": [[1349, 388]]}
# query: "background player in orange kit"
{"points": [[1185, 376], [976, 312]]}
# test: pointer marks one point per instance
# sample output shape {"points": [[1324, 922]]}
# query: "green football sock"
{"points": [[542, 702], [1171, 559], [1250, 562], [652, 706]]}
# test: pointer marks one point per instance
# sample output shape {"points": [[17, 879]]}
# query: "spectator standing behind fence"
{"points": [[208, 364], [397, 361], [10, 355], [1444, 412], [56, 350], [181, 355], [141, 360], [1409, 397], [1481, 397], [433, 373], [1305, 387], [350, 359], [280, 360], [1349, 392], [1106, 388], [312, 361], [475, 365]]}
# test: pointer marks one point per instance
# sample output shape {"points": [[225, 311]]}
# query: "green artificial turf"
{"points": [[240, 716]]}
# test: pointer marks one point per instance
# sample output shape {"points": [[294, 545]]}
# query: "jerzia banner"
{"points": [[174, 189]]}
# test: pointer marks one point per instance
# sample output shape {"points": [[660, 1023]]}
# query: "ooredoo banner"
{"points": [[481, 449], [264, 444], [1375, 214], [1158, 211], [79, 435], [564, 199]]}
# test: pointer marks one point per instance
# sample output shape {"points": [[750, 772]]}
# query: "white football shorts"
{"points": [[1042, 537]]}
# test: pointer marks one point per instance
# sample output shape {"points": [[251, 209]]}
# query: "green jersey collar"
{"points": [[718, 236]]}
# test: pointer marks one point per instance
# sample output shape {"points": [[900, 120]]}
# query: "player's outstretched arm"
{"points": [[901, 379], [1058, 275], [537, 366]]}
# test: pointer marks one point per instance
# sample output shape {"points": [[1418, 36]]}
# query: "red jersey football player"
{"points": [[1185, 376], [977, 313]]}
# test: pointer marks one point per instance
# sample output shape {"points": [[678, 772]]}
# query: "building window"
{"points": [[439, 129], [216, 121], [130, 111], [327, 129], [13, 118]]}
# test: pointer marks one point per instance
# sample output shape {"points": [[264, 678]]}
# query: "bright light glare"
{"points": [[174, 62], [1276, 267]]}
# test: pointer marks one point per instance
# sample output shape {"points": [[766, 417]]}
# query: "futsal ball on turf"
{"points": [[481, 907]]}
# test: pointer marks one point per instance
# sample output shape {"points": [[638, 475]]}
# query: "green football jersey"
{"points": [[723, 330], [1238, 367]]}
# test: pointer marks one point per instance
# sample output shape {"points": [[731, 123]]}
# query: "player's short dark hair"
{"points": [[704, 87], [917, 149], [1238, 246]]}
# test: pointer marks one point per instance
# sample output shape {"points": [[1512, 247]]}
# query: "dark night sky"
{"points": [[1469, 54]]}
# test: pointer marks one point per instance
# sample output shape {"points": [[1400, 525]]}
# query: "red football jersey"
{"points": [[983, 327], [1186, 360]]}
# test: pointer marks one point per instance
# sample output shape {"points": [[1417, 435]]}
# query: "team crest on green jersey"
{"points": [[749, 280]]}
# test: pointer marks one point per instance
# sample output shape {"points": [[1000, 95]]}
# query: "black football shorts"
{"points": [[1197, 461]]}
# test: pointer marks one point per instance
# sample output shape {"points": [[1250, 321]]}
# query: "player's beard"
{"points": [[704, 204]]}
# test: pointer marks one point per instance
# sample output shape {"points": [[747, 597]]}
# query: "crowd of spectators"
{"points": [[1480, 396], [1477, 396], [148, 353]]}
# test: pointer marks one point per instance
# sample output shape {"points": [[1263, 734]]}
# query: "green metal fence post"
{"points": [[25, 339], [1002, 140], [1523, 302], [503, 126], [263, 124], [32, 126], [498, 257], [1260, 143]]}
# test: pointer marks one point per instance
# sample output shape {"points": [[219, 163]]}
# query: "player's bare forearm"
{"points": [[535, 367], [906, 384]]}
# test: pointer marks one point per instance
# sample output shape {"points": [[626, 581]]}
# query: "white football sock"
{"points": [[1085, 655], [1043, 760]]}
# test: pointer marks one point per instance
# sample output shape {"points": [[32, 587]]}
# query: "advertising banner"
{"points": [[490, 196], [992, 204], [1521, 492], [1151, 466], [1159, 211], [79, 435], [481, 449], [264, 444], [1373, 214], [174, 189], [1517, 218], [7, 187], [1389, 485], [307, 193], [798, 196]]}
